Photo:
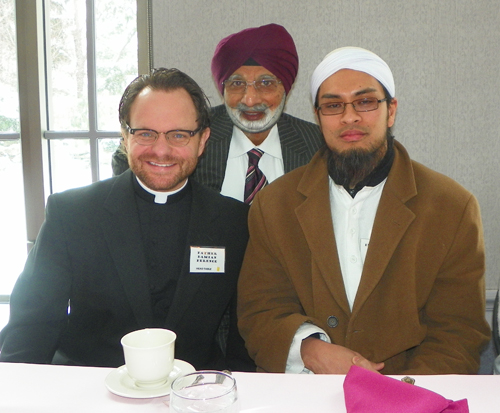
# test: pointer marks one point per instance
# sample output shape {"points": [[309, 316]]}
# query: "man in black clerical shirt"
{"points": [[121, 254]]}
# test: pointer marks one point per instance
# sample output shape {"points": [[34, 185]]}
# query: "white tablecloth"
{"points": [[52, 389]]}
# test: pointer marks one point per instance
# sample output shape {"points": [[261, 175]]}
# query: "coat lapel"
{"points": [[293, 146], [212, 165], [122, 232], [200, 233], [391, 223], [314, 216]]}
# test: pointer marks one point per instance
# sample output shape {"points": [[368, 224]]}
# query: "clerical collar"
{"points": [[380, 172], [158, 197]]}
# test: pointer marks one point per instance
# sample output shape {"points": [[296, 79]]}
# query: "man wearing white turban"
{"points": [[363, 256]]}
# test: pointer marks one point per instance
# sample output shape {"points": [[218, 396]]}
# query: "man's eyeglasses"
{"points": [[148, 137], [239, 87], [359, 105]]}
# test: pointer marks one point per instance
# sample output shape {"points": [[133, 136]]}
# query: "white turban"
{"points": [[354, 58]]}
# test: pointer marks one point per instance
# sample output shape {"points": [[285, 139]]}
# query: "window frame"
{"points": [[33, 101], [32, 78]]}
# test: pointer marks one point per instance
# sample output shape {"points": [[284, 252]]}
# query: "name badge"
{"points": [[207, 259]]}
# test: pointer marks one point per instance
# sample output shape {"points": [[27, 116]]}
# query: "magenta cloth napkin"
{"points": [[366, 391]]}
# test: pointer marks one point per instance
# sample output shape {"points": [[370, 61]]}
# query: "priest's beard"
{"points": [[350, 167]]}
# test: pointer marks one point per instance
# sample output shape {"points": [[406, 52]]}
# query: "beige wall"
{"points": [[445, 56]]}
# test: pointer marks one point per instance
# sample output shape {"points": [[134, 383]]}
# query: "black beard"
{"points": [[351, 167]]}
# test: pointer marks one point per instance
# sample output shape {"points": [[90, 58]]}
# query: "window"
{"points": [[12, 222], [86, 76], [59, 122]]}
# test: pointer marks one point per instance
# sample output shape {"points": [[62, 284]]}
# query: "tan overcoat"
{"points": [[420, 306]]}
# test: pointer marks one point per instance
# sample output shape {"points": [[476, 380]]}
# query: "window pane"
{"points": [[9, 101], [106, 149], [70, 163], [116, 56], [67, 65], [13, 249], [4, 315]]}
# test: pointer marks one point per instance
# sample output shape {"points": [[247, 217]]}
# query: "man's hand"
{"points": [[324, 358]]}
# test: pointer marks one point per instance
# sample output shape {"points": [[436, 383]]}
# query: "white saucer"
{"points": [[121, 384]]}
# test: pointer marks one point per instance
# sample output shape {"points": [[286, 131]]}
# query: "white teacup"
{"points": [[149, 355]]}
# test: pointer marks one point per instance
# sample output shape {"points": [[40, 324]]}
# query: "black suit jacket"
{"points": [[89, 252], [299, 142]]}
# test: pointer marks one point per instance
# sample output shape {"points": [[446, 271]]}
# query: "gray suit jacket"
{"points": [[89, 252], [299, 142]]}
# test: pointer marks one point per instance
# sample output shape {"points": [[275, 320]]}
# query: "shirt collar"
{"points": [[160, 197], [240, 144]]}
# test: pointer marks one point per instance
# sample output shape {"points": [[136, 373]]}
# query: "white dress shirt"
{"points": [[352, 225], [271, 163]]}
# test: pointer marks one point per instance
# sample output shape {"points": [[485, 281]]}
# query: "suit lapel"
{"points": [[122, 232], [293, 146], [200, 233], [314, 216], [212, 164], [391, 223]]}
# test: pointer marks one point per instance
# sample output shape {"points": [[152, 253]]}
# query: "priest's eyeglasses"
{"points": [[239, 86], [359, 105], [148, 137]]}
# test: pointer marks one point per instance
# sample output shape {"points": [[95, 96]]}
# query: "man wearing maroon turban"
{"points": [[254, 71]]}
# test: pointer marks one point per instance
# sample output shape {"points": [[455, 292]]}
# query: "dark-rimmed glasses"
{"points": [[239, 87], [148, 137], [359, 105]]}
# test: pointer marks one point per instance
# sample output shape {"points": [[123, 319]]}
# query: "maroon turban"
{"points": [[270, 46]]}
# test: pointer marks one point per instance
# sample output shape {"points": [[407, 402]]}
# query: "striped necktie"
{"points": [[255, 179]]}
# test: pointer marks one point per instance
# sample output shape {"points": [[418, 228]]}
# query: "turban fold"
{"points": [[354, 58], [271, 46]]}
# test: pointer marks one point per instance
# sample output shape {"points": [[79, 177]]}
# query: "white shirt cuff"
{"points": [[294, 363]]}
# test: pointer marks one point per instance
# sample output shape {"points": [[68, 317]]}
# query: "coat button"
{"points": [[332, 321]]}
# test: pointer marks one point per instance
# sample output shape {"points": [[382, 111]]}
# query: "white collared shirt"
{"points": [[353, 220], [271, 163]]}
